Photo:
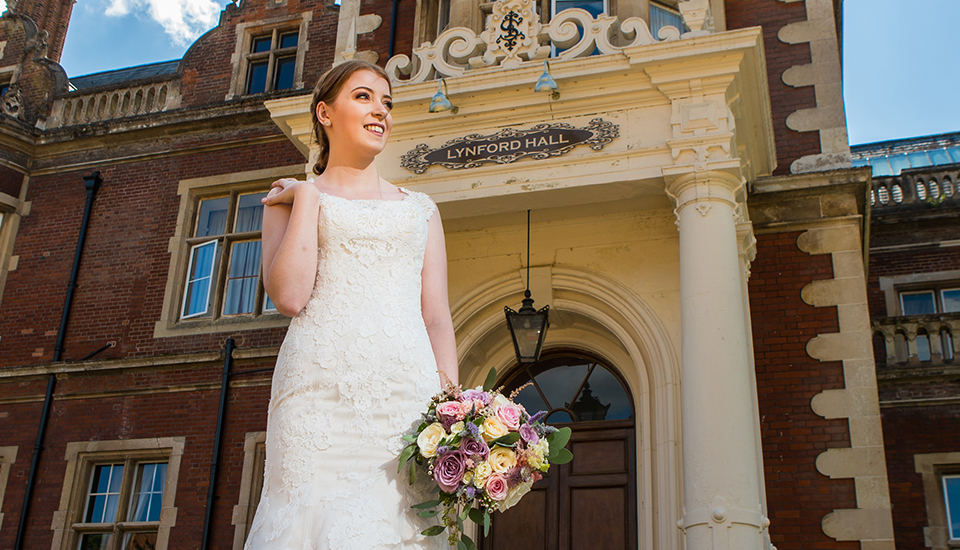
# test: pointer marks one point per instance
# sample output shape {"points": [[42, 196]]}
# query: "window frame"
{"points": [[272, 55], [251, 485], [191, 192], [953, 538], [243, 55], [936, 289], [8, 456], [82, 459]]}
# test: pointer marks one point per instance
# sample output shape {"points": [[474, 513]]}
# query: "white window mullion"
{"points": [[196, 293]]}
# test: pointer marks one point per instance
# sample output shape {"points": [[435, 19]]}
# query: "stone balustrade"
{"points": [[84, 108], [932, 186], [916, 340]]}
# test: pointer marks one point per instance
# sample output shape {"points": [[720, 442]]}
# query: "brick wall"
{"points": [[773, 15], [889, 264], [10, 181], [52, 16], [153, 413], [379, 40], [798, 496], [207, 66], [125, 261]]}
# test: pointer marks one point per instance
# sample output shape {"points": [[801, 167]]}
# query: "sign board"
{"points": [[539, 142]]}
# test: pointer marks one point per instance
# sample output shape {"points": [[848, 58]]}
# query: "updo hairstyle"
{"points": [[327, 90]]}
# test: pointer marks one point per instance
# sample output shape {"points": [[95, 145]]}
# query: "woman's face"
{"points": [[359, 118]]}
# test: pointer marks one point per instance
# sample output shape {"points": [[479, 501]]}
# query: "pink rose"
{"points": [[448, 470], [497, 486], [450, 411], [509, 414]]}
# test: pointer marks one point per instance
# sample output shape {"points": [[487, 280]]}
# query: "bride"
{"points": [[360, 265]]}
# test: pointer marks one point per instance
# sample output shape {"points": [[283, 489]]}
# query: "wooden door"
{"points": [[591, 502]]}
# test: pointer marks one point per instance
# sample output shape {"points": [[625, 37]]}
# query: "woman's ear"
{"points": [[322, 115]]}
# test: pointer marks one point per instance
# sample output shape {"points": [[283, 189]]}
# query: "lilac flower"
{"points": [[537, 417], [475, 447], [470, 493], [475, 395], [529, 434]]}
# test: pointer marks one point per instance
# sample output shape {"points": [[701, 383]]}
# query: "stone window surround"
{"points": [[931, 467], [191, 191], [11, 210], [82, 456], [891, 286], [251, 483], [247, 31], [8, 455]]}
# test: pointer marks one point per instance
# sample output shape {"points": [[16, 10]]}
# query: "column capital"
{"points": [[702, 189]]}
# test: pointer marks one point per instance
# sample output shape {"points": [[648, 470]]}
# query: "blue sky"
{"points": [[901, 67]]}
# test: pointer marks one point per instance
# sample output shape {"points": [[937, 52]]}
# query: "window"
{"points": [[119, 494], [226, 247], [951, 499], [122, 509], [941, 299], [272, 61], [251, 485], [662, 16], [214, 282], [8, 455], [940, 473], [4, 88], [269, 55]]}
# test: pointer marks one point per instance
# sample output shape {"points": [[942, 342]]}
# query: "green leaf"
{"points": [[461, 545], [433, 531], [406, 455], [559, 438], [476, 515], [412, 438], [425, 505], [468, 542], [466, 511], [436, 489], [562, 457], [413, 472], [460, 524], [486, 522], [506, 441], [428, 513], [491, 380]]}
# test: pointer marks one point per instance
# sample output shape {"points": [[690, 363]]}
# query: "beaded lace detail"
{"points": [[353, 374]]}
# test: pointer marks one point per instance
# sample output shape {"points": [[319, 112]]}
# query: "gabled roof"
{"points": [[119, 77]]}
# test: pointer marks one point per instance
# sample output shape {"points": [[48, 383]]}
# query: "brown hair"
{"points": [[327, 90]]}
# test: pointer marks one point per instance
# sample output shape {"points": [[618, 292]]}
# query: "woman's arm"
{"points": [[436, 306], [290, 217]]}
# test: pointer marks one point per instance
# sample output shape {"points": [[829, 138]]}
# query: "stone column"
{"points": [[721, 475]]}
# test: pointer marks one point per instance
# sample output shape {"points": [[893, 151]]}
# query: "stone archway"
{"points": [[596, 316]]}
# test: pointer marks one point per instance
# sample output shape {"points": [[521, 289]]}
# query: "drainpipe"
{"points": [[215, 465], [393, 28], [92, 183]]}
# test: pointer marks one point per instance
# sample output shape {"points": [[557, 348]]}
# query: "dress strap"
{"points": [[422, 200]]}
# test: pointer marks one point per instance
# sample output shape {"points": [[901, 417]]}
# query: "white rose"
{"points": [[429, 439], [513, 496]]}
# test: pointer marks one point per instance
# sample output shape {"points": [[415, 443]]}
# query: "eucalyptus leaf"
{"points": [[412, 438], [425, 505], [562, 457], [559, 438], [491, 380], [506, 441], [476, 515], [413, 472], [463, 516], [406, 455], [428, 513], [468, 542], [433, 531], [461, 545], [486, 522], [460, 524], [436, 489]]}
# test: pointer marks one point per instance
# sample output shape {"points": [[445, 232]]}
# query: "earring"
{"points": [[326, 123]]}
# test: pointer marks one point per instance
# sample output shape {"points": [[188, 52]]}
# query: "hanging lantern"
{"points": [[528, 326]]}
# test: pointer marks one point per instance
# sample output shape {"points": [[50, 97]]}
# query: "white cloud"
{"points": [[183, 20]]}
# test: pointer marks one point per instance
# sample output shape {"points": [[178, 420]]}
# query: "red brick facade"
{"points": [[798, 496]]}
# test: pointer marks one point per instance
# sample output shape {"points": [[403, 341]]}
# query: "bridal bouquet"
{"points": [[484, 451]]}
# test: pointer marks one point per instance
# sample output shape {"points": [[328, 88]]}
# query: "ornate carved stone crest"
{"points": [[512, 34]]}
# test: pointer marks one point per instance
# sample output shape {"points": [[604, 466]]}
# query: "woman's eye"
{"points": [[388, 105], [362, 95]]}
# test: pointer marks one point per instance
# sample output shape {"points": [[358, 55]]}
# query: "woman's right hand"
{"points": [[285, 191]]}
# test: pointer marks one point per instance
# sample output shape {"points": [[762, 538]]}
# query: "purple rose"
{"points": [[529, 434], [448, 470], [473, 447], [466, 396]]}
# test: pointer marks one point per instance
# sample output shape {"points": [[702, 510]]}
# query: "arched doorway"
{"points": [[591, 502]]}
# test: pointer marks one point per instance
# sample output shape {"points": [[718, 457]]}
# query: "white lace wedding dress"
{"points": [[354, 372]]}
